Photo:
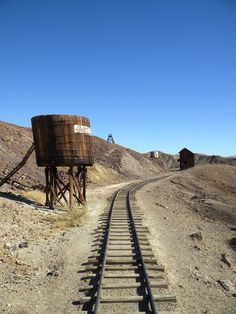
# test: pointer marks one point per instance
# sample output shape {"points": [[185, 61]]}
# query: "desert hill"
{"points": [[168, 161], [165, 161], [191, 216], [113, 163], [212, 187], [201, 159], [14, 143]]}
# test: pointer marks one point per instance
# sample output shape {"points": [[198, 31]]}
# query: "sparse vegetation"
{"points": [[3, 202], [36, 195], [71, 217]]}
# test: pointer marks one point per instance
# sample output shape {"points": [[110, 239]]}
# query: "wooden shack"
{"points": [[186, 159]]}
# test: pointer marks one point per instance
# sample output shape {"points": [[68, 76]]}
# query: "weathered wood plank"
{"points": [[159, 284], [121, 299], [120, 268]]}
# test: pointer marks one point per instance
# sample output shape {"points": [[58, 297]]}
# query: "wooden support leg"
{"points": [[55, 181], [71, 187], [51, 195], [56, 189], [84, 182], [81, 183], [47, 185]]}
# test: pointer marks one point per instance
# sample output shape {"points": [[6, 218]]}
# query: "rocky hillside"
{"points": [[113, 163], [191, 217], [167, 161], [201, 159], [14, 143]]}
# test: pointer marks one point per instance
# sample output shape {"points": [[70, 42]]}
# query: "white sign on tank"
{"points": [[82, 129]]}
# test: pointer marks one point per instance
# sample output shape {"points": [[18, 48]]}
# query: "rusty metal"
{"points": [[147, 282], [121, 244], [98, 297], [148, 297]]}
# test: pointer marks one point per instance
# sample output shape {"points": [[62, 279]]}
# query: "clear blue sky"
{"points": [[157, 74]]}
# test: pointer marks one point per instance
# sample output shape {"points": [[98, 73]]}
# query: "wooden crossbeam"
{"points": [[73, 191], [19, 166]]}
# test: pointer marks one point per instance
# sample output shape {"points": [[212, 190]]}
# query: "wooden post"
{"points": [[71, 187], [74, 190], [51, 194], [47, 186], [55, 181], [84, 175]]}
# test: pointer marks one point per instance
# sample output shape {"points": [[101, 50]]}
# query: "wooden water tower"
{"points": [[63, 141]]}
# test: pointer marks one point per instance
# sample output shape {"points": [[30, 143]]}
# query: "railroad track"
{"points": [[123, 272]]}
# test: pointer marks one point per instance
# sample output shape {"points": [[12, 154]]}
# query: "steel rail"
{"points": [[107, 235], [147, 282], [106, 238]]}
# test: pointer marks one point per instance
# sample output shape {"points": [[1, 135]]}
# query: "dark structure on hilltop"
{"points": [[110, 139], [186, 159], [154, 154]]}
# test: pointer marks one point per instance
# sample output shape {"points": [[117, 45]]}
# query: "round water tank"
{"points": [[62, 140]]}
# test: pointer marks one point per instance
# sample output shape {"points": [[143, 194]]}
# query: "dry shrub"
{"points": [[3, 202], [71, 217], [36, 195]]}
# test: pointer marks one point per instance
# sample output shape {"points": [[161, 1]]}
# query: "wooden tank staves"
{"points": [[63, 141]]}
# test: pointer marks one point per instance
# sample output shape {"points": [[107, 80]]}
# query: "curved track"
{"points": [[125, 276]]}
